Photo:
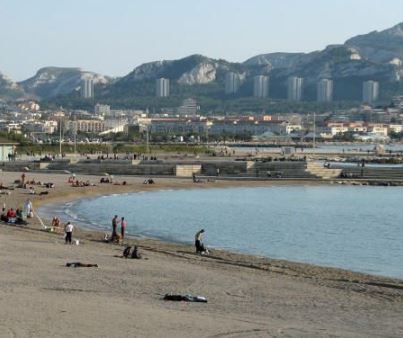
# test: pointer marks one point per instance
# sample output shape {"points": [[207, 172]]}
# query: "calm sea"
{"points": [[356, 228]]}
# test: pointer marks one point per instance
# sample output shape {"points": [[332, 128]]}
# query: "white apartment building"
{"points": [[162, 87], [87, 88], [294, 92], [292, 128], [370, 91], [87, 126], [102, 109], [188, 107], [325, 90], [396, 128], [378, 129], [338, 128], [261, 86], [232, 83]]}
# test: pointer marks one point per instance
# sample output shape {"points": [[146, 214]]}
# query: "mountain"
{"points": [[192, 75], [380, 47], [343, 64], [9, 88], [191, 70], [54, 81], [374, 56], [276, 60]]}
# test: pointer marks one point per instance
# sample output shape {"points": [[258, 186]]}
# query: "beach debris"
{"points": [[81, 265], [185, 298]]}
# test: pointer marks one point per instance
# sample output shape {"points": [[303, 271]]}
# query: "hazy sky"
{"points": [[113, 37]]}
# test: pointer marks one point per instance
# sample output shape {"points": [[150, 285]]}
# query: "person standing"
{"points": [[114, 227], [123, 224], [198, 241], [68, 229], [23, 180]]}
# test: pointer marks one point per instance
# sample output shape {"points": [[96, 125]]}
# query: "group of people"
{"points": [[19, 215], [13, 216], [77, 183], [123, 224], [129, 253]]}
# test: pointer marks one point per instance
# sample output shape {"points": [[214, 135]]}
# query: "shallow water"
{"points": [[356, 228]]}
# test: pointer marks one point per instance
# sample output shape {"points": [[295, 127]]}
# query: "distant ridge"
{"points": [[374, 56]]}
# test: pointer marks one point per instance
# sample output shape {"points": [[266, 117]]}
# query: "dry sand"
{"points": [[247, 296]]}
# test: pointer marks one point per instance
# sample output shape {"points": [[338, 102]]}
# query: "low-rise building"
{"points": [[86, 126], [396, 128], [378, 129]]}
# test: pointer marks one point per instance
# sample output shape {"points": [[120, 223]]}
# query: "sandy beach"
{"points": [[247, 296]]}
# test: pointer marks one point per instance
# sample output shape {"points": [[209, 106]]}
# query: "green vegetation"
{"points": [[43, 149], [14, 137]]}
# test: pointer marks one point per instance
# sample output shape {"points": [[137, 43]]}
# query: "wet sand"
{"points": [[248, 296]]}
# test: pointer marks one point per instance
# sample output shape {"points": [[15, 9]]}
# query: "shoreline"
{"points": [[172, 184], [248, 295], [131, 238]]}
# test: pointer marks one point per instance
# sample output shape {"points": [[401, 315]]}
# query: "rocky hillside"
{"points": [[380, 47], [8, 88], [374, 56], [276, 60], [53, 81], [343, 64], [191, 70], [191, 76]]}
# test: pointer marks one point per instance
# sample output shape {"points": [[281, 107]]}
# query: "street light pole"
{"points": [[147, 141], [60, 138], [75, 137], [314, 130]]}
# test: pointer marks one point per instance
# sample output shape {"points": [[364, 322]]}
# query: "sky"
{"points": [[113, 37]]}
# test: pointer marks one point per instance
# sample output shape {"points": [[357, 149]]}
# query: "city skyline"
{"points": [[128, 37]]}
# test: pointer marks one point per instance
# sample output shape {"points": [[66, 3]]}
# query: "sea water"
{"points": [[351, 227]]}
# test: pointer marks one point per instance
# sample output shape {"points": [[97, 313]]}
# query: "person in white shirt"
{"points": [[68, 229]]}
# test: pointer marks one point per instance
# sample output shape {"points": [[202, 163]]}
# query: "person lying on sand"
{"points": [[81, 265]]}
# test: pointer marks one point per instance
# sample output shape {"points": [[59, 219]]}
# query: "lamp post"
{"points": [[60, 137], [314, 130]]}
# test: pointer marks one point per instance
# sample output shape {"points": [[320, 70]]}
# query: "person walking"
{"points": [[114, 228], [198, 241], [68, 229], [123, 224]]}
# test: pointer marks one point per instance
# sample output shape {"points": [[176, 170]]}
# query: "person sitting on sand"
{"points": [[126, 252], [11, 213], [148, 181], [31, 191], [55, 222], [20, 217], [3, 217], [135, 253], [18, 213]]}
